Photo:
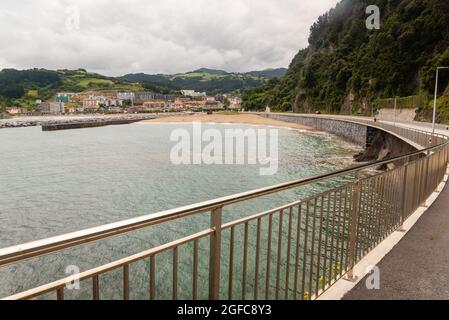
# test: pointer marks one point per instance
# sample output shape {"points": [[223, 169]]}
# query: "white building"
{"points": [[192, 93], [52, 107]]}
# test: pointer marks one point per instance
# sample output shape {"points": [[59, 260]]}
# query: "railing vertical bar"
{"points": [[60, 293], [373, 228], [126, 282], [331, 254], [369, 212], [382, 214], [215, 254], [245, 261], [312, 249], [278, 264], [326, 238], [257, 258], [195, 270], [304, 260], [231, 263], [175, 274], [337, 247], [344, 234], [298, 245], [318, 271], [267, 280], [96, 287], [152, 277], [353, 228], [289, 242]]}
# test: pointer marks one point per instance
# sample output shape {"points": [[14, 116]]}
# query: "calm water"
{"points": [[56, 182]]}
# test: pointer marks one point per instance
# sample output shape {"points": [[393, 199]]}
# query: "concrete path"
{"points": [[418, 266]]}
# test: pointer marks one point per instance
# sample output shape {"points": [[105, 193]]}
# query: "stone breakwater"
{"points": [[80, 121]]}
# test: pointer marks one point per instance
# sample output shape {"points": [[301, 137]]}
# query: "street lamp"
{"points": [[435, 99]]}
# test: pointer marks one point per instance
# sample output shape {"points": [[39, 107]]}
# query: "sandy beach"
{"points": [[240, 118]]}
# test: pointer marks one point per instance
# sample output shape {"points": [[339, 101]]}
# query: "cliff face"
{"points": [[347, 66]]}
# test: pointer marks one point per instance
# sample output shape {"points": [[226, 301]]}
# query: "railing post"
{"points": [[426, 173], [353, 230], [404, 195], [215, 254]]}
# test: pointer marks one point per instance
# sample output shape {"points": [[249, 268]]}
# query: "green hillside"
{"points": [[209, 80], [346, 67], [24, 87]]}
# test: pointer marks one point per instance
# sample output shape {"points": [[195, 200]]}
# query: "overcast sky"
{"points": [[114, 37]]}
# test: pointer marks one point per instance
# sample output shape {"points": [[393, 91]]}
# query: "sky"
{"points": [[116, 37]]}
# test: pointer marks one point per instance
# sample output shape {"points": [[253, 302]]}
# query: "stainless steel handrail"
{"points": [[54, 244]]}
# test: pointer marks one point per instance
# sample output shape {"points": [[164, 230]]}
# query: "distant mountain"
{"points": [[211, 81], [211, 71]]}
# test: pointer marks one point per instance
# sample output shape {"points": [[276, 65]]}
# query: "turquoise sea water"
{"points": [[57, 182]]}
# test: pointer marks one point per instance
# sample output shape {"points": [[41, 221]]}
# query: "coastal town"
{"points": [[116, 102]]}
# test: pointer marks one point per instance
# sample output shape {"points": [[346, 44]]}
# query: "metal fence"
{"points": [[296, 251]]}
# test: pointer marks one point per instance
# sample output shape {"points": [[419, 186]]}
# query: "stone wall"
{"points": [[353, 132], [402, 115], [378, 144]]}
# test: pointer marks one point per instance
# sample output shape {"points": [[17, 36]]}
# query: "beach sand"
{"points": [[239, 118]]}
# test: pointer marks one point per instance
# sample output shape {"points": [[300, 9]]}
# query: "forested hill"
{"points": [[23, 87], [346, 67]]}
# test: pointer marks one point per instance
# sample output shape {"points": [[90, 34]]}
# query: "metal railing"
{"points": [[296, 251]]}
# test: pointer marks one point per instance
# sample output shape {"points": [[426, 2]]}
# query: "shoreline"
{"points": [[238, 118], [222, 118]]}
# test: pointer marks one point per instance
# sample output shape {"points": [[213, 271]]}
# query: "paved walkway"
{"points": [[418, 266]]}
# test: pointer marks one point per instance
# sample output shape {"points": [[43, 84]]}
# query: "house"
{"points": [[125, 95], [94, 102], [235, 102], [64, 97], [49, 107], [192, 93], [16, 110], [157, 104]]}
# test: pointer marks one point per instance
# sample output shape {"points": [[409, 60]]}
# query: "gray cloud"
{"points": [[155, 36]]}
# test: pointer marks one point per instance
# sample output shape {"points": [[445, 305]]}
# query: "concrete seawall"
{"points": [[377, 143], [352, 132]]}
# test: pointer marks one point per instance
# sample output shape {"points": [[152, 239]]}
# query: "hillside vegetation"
{"points": [[207, 80], [24, 87], [346, 67]]}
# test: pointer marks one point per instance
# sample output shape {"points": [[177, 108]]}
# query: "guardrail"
{"points": [[296, 251]]}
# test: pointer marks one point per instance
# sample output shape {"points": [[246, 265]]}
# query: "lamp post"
{"points": [[435, 99]]}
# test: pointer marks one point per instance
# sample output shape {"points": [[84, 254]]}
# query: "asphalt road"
{"points": [[418, 267]]}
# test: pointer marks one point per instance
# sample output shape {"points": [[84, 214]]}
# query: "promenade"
{"points": [[418, 266]]}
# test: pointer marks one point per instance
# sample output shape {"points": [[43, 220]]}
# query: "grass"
{"points": [[32, 94], [85, 83], [204, 75]]}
